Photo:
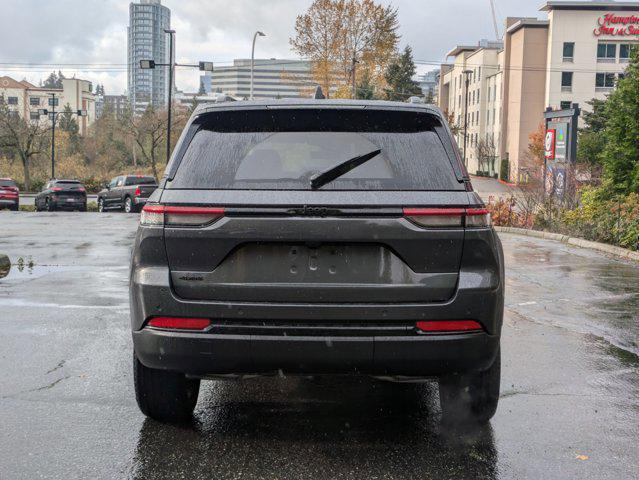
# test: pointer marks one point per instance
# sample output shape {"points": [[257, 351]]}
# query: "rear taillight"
{"points": [[448, 217], [477, 217], [443, 326], [81, 189], [56, 189], [137, 192], [179, 323], [158, 215]]}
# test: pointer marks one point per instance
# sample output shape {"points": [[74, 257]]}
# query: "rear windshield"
{"points": [[140, 181], [7, 183], [284, 149], [68, 184]]}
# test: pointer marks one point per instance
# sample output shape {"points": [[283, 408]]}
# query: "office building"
{"points": [[273, 78], [147, 41]]}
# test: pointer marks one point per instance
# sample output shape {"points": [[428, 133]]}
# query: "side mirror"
{"points": [[107, 187]]}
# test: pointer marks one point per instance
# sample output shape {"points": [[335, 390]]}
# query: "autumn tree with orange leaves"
{"points": [[335, 34]]}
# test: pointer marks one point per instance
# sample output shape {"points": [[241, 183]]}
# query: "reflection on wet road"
{"points": [[569, 403]]}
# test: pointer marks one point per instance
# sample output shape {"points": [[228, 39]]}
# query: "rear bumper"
{"points": [[9, 201], [140, 200], [74, 205], [201, 354]]}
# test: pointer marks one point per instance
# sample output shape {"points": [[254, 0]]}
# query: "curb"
{"points": [[574, 241]]}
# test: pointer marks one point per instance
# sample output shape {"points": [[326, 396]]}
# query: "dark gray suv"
{"points": [[316, 237]]}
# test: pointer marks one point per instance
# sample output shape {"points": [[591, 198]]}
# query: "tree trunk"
{"points": [[27, 176]]}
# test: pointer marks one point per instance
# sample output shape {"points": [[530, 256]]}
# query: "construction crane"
{"points": [[492, 9]]}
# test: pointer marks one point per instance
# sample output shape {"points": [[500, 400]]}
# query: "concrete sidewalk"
{"points": [[491, 189]]}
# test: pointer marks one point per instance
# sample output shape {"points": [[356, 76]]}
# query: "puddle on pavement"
{"points": [[25, 267]]}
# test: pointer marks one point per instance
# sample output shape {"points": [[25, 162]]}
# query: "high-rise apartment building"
{"points": [[147, 41]]}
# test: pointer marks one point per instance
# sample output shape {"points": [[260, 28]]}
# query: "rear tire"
{"points": [[48, 206], [15, 208], [100, 205], [162, 395], [128, 205], [470, 398]]}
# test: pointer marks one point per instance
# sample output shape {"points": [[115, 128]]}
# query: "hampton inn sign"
{"points": [[617, 25]]}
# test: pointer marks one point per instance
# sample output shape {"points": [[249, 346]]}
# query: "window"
{"points": [[34, 116], [12, 100], [281, 149], [624, 51], [34, 101], [606, 52], [569, 51], [566, 81], [57, 101], [564, 104], [605, 80]]}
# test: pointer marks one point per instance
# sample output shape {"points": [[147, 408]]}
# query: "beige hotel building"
{"points": [[574, 55], [25, 99]]}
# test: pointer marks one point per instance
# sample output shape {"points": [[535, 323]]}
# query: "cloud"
{"points": [[95, 32]]}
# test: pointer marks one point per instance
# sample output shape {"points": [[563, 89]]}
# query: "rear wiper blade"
{"points": [[340, 169]]}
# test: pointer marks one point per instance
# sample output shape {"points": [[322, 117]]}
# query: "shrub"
{"points": [[504, 170]]}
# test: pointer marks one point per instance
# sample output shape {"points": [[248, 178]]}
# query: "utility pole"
{"points": [[52, 136], [467, 74], [151, 64], [353, 86], [261, 34], [53, 116], [171, 68]]}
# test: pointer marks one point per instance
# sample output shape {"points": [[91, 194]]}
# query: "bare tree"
{"points": [[486, 154], [149, 133], [22, 138]]}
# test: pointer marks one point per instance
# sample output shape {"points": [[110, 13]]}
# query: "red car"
{"points": [[9, 194]]}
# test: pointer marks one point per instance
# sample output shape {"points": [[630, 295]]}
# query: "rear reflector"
{"points": [[448, 217], [443, 326], [178, 323], [158, 215]]}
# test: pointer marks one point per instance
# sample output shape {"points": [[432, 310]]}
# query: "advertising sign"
{"points": [[561, 140], [617, 25], [549, 144]]}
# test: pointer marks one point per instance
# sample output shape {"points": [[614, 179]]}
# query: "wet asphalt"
{"points": [[569, 405]]}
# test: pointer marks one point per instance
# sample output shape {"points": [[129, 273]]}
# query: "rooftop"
{"points": [[589, 5], [527, 22]]}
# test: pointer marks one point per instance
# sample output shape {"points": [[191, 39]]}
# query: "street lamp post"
{"points": [[253, 60], [467, 74], [171, 69], [151, 64], [53, 116]]}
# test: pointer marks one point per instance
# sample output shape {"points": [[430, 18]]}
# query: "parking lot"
{"points": [[569, 403]]}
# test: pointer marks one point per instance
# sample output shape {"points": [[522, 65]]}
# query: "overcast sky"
{"points": [[64, 32]]}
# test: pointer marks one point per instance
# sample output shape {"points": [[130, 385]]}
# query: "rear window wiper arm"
{"points": [[327, 176]]}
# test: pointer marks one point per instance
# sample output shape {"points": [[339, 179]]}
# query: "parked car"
{"points": [[62, 195], [318, 237], [9, 194], [126, 192]]}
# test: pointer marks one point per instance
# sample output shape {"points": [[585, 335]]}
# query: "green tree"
{"points": [[54, 80], [620, 156], [365, 88], [399, 76], [592, 137]]}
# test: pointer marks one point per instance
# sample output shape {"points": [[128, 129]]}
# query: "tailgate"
{"points": [[339, 255]]}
